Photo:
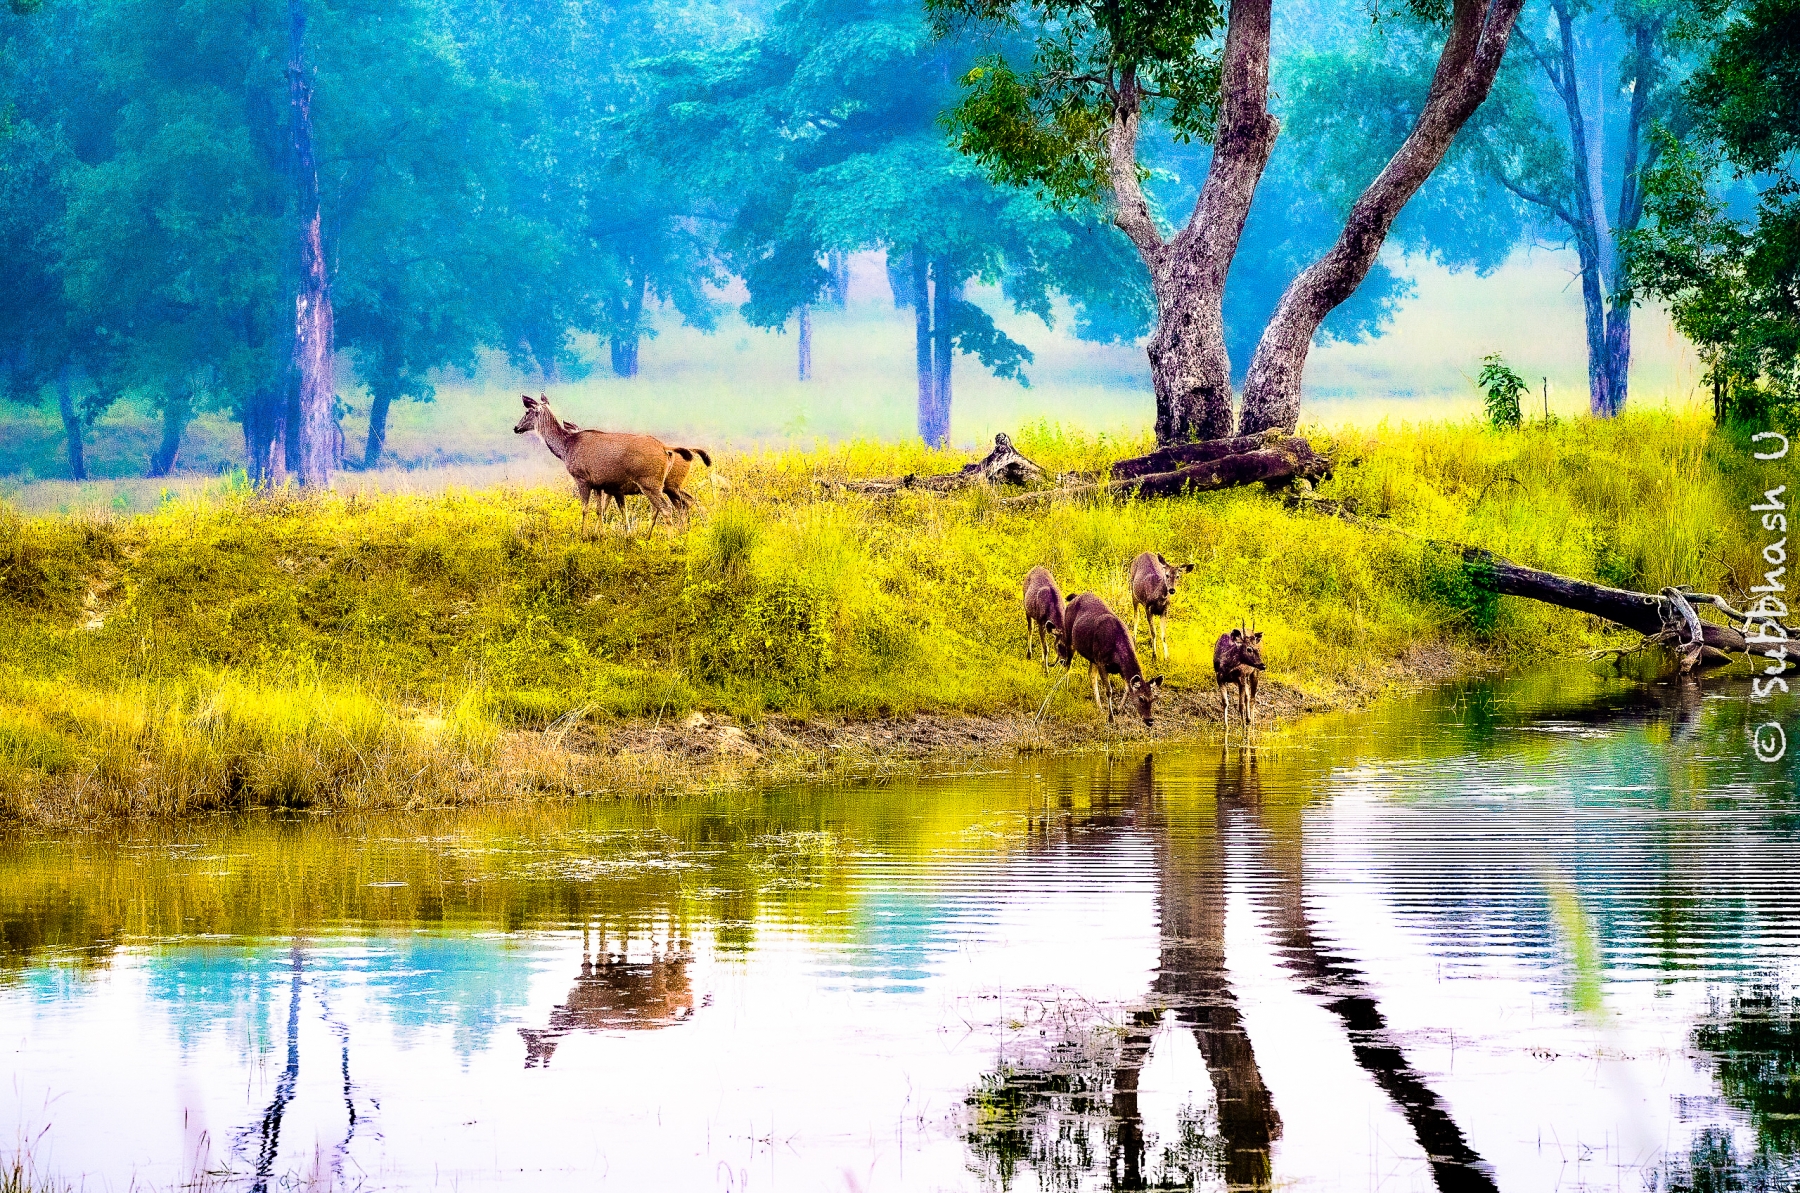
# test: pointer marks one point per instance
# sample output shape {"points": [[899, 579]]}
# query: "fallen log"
{"points": [[1005, 465], [1172, 459], [1667, 618], [1273, 459]]}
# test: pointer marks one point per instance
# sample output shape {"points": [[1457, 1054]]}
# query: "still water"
{"points": [[1531, 934]]}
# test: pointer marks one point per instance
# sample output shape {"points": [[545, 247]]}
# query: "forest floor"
{"points": [[363, 649]]}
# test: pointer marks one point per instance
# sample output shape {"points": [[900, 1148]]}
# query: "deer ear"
{"points": [[1187, 567], [1237, 635], [529, 401], [1157, 683], [1256, 637]]}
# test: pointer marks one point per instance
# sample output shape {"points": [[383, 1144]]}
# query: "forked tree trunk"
{"points": [[805, 337], [72, 429], [313, 426], [1190, 367], [1479, 31]]}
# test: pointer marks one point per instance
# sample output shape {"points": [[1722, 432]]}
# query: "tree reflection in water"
{"points": [[1341, 988], [1074, 1106], [1752, 1038], [1077, 1101]]}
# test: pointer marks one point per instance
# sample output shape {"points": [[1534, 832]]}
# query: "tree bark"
{"points": [[72, 429], [805, 320], [1190, 367], [943, 301], [316, 390], [176, 411], [1465, 72]]}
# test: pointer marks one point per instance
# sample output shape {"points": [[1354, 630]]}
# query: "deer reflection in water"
{"points": [[617, 993]]}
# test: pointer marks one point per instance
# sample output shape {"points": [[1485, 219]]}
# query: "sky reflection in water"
{"points": [[1528, 934]]}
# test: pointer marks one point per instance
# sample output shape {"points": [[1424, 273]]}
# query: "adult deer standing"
{"points": [[1096, 634], [604, 462], [1153, 581], [1237, 660]]}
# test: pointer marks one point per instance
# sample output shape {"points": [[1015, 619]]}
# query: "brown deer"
{"points": [[1237, 660], [616, 995], [604, 462], [673, 484], [1044, 616], [1096, 634], [1153, 581]]}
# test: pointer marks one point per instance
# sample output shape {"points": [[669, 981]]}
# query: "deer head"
{"points": [[528, 422], [1143, 693]]}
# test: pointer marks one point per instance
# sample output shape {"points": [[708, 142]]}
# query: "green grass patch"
{"points": [[233, 649]]}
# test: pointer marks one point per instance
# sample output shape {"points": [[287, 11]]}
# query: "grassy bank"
{"points": [[358, 651]]}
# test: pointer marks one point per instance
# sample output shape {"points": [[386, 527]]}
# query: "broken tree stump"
{"points": [[1005, 465]]}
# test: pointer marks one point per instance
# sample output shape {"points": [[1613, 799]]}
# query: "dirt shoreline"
{"points": [[706, 751]]}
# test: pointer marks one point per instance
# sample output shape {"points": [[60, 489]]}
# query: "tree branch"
{"points": [[1130, 210]]}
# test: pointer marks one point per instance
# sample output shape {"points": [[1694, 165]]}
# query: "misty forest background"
{"points": [[744, 223]]}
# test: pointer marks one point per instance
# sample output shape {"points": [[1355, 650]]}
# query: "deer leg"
{"points": [[1094, 678], [1030, 627], [1225, 700], [659, 505]]}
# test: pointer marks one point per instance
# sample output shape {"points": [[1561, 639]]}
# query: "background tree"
{"points": [[1069, 125], [820, 138], [1602, 79], [1730, 270]]}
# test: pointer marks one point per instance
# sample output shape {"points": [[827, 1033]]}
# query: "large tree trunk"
{"points": [[1466, 68], [71, 421], [943, 300], [176, 412], [313, 429], [1190, 367], [805, 337]]}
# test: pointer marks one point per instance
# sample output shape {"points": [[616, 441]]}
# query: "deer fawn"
{"points": [[1153, 581], [1044, 616], [1237, 660]]}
